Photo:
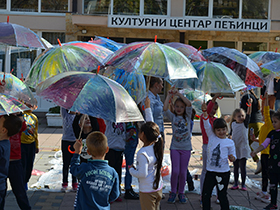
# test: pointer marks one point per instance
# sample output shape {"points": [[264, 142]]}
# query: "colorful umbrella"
{"points": [[133, 82], [64, 58], [91, 94], [12, 86], [240, 63], [9, 105], [262, 57], [271, 68], [107, 43], [152, 59], [192, 53], [17, 35], [214, 78]]}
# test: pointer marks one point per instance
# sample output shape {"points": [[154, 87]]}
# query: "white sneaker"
{"points": [[259, 168], [263, 197]]}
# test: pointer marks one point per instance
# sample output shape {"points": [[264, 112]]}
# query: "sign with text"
{"points": [[188, 23]]}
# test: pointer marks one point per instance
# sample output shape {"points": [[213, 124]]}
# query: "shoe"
{"points": [[191, 188], [244, 188], [182, 198], [64, 187], [234, 187], [119, 199], [172, 197], [201, 204], [163, 196], [270, 206], [75, 187], [217, 201], [266, 198], [259, 168], [130, 194]]}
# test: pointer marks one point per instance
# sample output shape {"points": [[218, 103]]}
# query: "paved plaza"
{"points": [[50, 140]]}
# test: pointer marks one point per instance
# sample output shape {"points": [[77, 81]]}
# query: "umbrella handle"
{"points": [[69, 150], [248, 104], [221, 97], [261, 97]]}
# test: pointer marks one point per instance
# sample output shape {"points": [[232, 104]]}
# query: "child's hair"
{"points": [[234, 113], [277, 114], [13, 124], [97, 143], [152, 133], [219, 123], [193, 114], [184, 113], [154, 80]]}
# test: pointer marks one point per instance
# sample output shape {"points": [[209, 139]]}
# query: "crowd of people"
{"points": [[93, 150]]}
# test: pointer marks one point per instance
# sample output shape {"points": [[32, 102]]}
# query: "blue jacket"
{"points": [[4, 162], [99, 184]]}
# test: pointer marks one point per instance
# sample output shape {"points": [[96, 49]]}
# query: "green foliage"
{"points": [[54, 110]]}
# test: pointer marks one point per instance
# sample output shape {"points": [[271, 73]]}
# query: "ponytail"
{"points": [[158, 150]]}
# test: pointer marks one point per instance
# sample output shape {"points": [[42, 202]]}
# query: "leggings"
{"points": [[274, 181], [239, 163], [179, 160], [66, 159]]}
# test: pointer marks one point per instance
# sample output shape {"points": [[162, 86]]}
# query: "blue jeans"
{"points": [[16, 180], [129, 152], [2, 199], [277, 104]]}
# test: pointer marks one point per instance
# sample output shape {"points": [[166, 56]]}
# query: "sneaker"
{"points": [[64, 187], [266, 198], [234, 187], [259, 168], [270, 206], [182, 198], [201, 205], [119, 199], [172, 197], [244, 188], [217, 201], [74, 187], [130, 194]]}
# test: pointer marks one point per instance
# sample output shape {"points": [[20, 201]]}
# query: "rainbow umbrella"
{"points": [[91, 94], [263, 57], [152, 59], [10, 105], [240, 63], [75, 56], [107, 43], [13, 86], [271, 68], [189, 51]]}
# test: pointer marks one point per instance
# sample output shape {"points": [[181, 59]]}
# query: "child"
{"points": [[147, 170], [273, 160], [99, 184], [264, 131], [212, 107], [180, 148], [9, 126], [29, 143], [219, 150], [239, 129]]}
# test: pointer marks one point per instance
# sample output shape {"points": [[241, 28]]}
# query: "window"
{"points": [[226, 8], [155, 7], [254, 46], [224, 44], [197, 7], [52, 37], [198, 44], [130, 40], [96, 6], [54, 5], [24, 6], [3, 4], [252, 9], [126, 7]]}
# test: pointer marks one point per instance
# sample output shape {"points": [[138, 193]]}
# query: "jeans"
{"points": [[2, 199], [16, 180], [66, 158], [27, 159], [277, 104], [129, 152]]}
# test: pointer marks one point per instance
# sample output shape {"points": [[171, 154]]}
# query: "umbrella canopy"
{"points": [[10, 105], [152, 59], [215, 78], [64, 58], [189, 51], [133, 82], [240, 63], [271, 68], [13, 86], [262, 57], [107, 43], [91, 94], [19, 36]]}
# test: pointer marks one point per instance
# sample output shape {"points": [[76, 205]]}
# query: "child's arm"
{"points": [[78, 146], [212, 102], [142, 167], [186, 101], [166, 102], [115, 192], [249, 110], [207, 126], [75, 168], [148, 111], [256, 151], [232, 152]]}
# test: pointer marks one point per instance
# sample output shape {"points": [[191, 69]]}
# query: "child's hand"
{"points": [[147, 102], [253, 154], [231, 158], [250, 101], [78, 146]]}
